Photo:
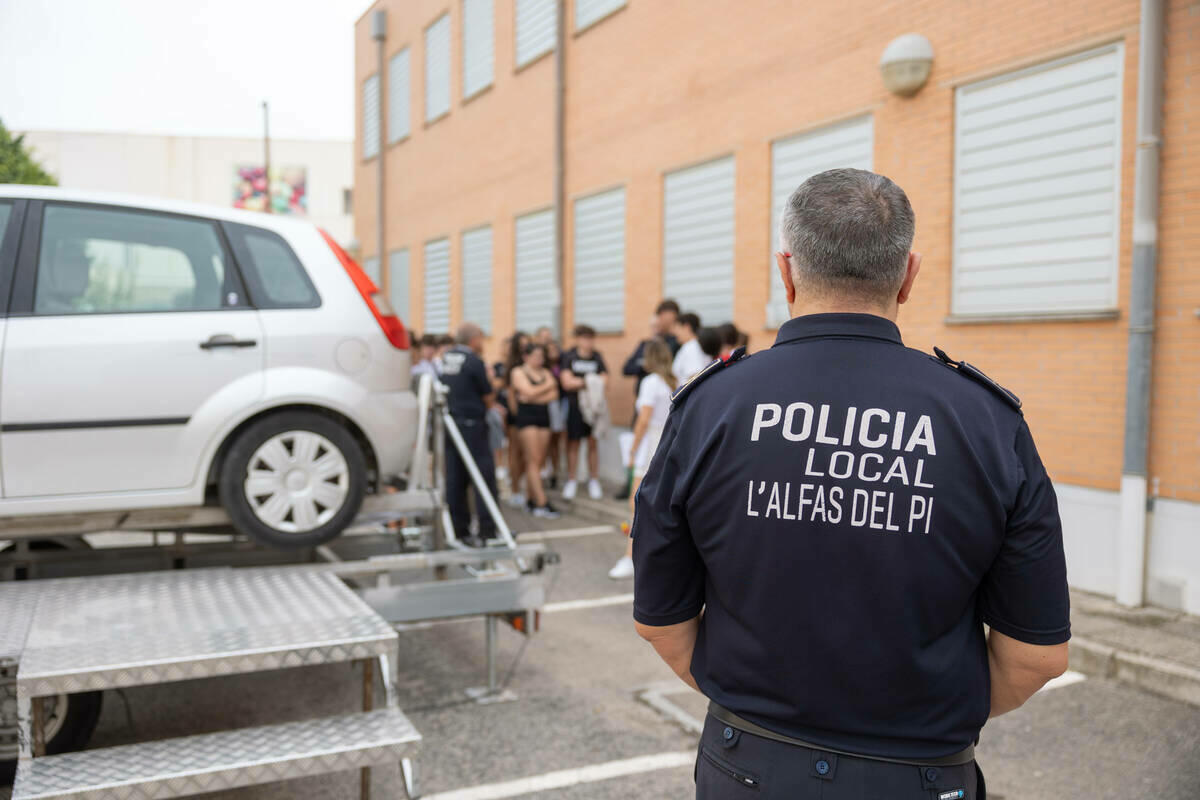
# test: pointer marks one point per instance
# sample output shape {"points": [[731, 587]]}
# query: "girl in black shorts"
{"points": [[534, 389]]}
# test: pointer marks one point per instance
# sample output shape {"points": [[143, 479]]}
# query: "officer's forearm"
{"points": [[1018, 670], [674, 645]]}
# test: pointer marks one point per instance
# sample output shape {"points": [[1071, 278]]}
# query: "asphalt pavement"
{"points": [[598, 716]]}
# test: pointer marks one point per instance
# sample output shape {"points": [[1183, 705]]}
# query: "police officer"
{"points": [[829, 524], [466, 376]]}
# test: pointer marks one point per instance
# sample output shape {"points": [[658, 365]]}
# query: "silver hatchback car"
{"points": [[165, 355]]}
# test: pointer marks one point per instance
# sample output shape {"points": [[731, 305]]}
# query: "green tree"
{"points": [[17, 164]]}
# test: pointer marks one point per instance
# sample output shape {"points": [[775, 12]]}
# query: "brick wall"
{"points": [[667, 83]]}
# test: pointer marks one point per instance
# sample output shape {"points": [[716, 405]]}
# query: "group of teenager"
{"points": [[543, 404]]}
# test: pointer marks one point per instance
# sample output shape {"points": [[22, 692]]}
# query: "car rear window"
{"points": [[273, 273]]}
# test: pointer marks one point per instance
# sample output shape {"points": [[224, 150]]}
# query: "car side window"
{"points": [[107, 260], [274, 275], [5, 213]]}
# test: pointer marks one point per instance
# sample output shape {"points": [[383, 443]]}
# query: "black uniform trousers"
{"points": [[734, 765], [458, 479]]}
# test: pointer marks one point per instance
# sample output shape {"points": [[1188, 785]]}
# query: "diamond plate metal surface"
{"points": [[18, 600], [215, 761], [128, 630]]}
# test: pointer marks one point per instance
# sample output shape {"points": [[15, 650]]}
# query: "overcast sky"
{"points": [[199, 67]]}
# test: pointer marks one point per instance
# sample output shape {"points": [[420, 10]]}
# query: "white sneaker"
{"points": [[595, 490], [622, 569], [516, 500], [569, 489], [501, 474]]}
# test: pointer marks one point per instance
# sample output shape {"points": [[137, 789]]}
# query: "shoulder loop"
{"points": [[716, 366], [977, 375]]}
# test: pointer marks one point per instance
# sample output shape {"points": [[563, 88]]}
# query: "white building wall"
{"points": [[196, 169], [1090, 522]]}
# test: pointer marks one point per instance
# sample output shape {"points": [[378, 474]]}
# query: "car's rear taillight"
{"points": [[391, 325]]}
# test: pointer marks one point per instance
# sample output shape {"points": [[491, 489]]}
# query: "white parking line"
{"points": [[1066, 679], [566, 533], [595, 602], [569, 777]]}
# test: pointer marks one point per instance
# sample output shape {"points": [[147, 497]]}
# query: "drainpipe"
{"points": [[1131, 548], [379, 34], [560, 151]]}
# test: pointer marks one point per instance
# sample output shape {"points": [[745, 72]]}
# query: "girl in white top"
{"points": [[653, 406]]}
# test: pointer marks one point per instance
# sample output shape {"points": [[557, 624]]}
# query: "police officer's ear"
{"points": [[785, 272], [910, 277]]}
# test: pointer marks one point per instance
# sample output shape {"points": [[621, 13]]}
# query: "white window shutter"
{"points": [[479, 44], [370, 132], [399, 86], [398, 294], [796, 159], [437, 286], [477, 277], [537, 28], [590, 11], [537, 286], [437, 68], [1037, 175], [600, 261], [698, 236]]}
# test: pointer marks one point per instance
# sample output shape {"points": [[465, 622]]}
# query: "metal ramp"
{"points": [[114, 631]]}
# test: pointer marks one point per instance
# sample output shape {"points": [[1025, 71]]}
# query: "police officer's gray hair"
{"points": [[467, 331], [849, 232]]}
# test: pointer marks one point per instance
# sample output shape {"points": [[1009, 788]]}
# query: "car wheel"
{"points": [[294, 479]]}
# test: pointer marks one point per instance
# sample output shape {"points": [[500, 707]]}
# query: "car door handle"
{"points": [[225, 340]]}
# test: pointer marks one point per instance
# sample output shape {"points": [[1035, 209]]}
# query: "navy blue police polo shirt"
{"points": [[465, 374], [846, 512]]}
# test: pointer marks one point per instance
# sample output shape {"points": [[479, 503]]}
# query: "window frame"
{"points": [[574, 202], [25, 280]]}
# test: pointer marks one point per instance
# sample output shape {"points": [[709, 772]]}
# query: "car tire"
{"points": [[292, 480]]}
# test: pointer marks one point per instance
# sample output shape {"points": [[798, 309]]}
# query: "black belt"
{"points": [[964, 756]]}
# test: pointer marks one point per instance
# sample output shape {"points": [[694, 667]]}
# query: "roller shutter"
{"points": [[1036, 188], [589, 11], [477, 277], [371, 267], [600, 261], [537, 292], [398, 294], [537, 25], [796, 159], [437, 68], [437, 286], [370, 129], [698, 239], [479, 38], [399, 95]]}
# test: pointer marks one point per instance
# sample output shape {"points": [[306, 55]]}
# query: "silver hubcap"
{"points": [[297, 481]]}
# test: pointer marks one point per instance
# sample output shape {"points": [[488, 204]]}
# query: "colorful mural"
{"points": [[289, 189]]}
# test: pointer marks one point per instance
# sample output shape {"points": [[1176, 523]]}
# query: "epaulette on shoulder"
{"points": [[716, 366], [977, 375]]}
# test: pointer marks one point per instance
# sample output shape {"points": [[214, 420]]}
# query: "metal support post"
{"points": [[492, 693], [368, 703]]}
